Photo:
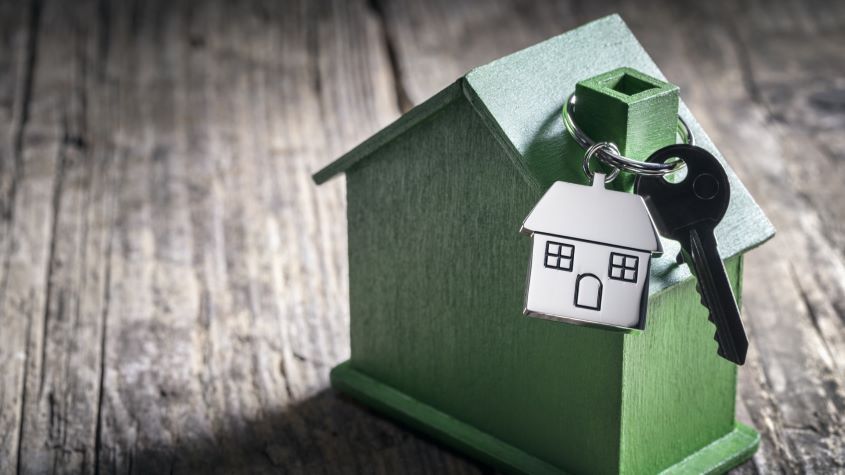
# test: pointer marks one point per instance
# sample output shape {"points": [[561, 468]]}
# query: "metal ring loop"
{"points": [[592, 151], [612, 156]]}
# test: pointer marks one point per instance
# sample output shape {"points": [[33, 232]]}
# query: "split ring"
{"points": [[591, 152], [611, 155]]}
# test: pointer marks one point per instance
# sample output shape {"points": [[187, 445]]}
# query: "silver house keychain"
{"points": [[592, 247]]}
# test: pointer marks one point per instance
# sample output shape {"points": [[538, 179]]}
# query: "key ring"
{"points": [[609, 154], [595, 148]]}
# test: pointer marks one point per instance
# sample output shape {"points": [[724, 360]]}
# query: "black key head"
{"points": [[699, 200]]}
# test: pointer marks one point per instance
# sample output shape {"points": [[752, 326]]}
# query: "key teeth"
{"points": [[704, 303], [712, 320]]}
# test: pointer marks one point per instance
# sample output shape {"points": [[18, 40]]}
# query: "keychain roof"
{"points": [[564, 211]]}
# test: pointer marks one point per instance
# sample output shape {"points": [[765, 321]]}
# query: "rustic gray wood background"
{"points": [[173, 286]]}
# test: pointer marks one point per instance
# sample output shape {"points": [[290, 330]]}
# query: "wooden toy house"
{"points": [[437, 272]]}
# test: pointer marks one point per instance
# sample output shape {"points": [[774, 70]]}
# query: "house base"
{"points": [[718, 457]]}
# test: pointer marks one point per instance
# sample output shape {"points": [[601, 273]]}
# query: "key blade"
{"points": [[656, 217], [717, 296]]}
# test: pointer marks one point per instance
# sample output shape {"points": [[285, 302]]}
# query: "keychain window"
{"points": [[559, 255], [623, 267]]}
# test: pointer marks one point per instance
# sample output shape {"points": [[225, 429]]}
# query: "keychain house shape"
{"points": [[437, 273], [591, 256]]}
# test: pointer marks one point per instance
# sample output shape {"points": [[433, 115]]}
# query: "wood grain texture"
{"points": [[173, 287], [25, 186]]}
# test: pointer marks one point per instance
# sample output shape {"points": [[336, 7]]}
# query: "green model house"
{"points": [[437, 272]]}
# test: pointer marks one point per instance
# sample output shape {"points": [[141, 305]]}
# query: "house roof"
{"points": [[519, 98], [595, 214]]}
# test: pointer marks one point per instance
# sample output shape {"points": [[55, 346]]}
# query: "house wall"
{"points": [[437, 276], [675, 387], [552, 291]]}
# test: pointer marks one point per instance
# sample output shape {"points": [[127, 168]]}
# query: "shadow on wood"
{"points": [[325, 433]]}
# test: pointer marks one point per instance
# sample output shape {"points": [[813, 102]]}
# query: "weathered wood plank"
{"points": [[435, 42], [15, 80], [226, 290], [181, 204], [34, 162], [63, 383], [21, 266]]}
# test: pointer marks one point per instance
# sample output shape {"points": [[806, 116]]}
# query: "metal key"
{"points": [[688, 212]]}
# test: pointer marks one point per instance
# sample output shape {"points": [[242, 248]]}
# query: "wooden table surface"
{"points": [[173, 286]]}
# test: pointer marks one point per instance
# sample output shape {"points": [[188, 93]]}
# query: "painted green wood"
{"points": [[630, 109], [677, 394], [398, 127], [437, 424], [717, 457], [436, 294], [437, 271]]}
